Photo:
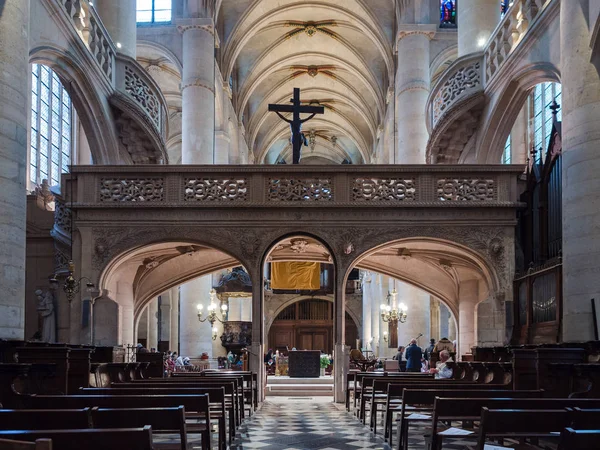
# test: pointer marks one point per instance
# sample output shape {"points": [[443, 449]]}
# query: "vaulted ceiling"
{"points": [[339, 53]]}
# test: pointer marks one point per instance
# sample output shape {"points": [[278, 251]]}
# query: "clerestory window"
{"points": [[544, 94], [153, 11], [51, 127]]}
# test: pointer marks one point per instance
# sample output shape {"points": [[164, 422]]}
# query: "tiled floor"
{"points": [[305, 424]]}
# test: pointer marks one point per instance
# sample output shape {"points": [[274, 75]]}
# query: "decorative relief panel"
{"points": [[466, 189], [211, 189], [62, 216], [137, 88], [132, 190], [383, 189], [465, 78], [299, 190]]}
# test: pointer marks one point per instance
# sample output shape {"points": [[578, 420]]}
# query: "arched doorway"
{"points": [[307, 325]]}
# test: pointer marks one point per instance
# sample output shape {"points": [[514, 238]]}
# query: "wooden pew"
{"points": [[585, 419], [89, 439], [39, 444], [396, 390], [571, 439], [195, 405], [469, 409], [521, 424], [162, 421], [230, 385], [215, 394], [51, 419], [424, 401]]}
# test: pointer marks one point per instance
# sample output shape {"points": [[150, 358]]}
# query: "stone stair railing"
{"points": [[86, 21], [124, 75], [460, 82], [510, 32]]}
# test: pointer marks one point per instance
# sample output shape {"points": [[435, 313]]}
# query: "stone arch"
{"points": [[91, 105], [503, 111]]}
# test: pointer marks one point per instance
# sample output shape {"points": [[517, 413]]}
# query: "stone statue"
{"points": [[46, 311]]}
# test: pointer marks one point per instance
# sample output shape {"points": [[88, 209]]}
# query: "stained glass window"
{"points": [[153, 11], [544, 94], [507, 154], [50, 150], [447, 13]]}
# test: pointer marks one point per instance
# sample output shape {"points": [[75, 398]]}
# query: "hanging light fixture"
{"points": [[212, 313], [392, 313]]}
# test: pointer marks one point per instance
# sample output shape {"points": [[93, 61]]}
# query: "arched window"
{"points": [[51, 127], [153, 11], [507, 154], [542, 98], [447, 13]]}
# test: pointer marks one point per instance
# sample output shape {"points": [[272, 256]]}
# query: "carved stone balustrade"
{"points": [[139, 107], [509, 33], [454, 107], [261, 186]]}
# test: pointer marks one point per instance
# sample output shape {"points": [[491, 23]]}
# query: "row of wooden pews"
{"points": [[134, 411]]}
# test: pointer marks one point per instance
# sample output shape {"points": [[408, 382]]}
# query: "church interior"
{"points": [[300, 224]]}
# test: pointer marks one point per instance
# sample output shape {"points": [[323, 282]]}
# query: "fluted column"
{"points": [[581, 174], [119, 18], [412, 90], [195, 337], [198, 91], [152, 324], [14, 51], [469, 296], [174, 330], [476, 21]]}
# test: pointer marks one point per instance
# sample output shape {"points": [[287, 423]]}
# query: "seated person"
{"points": [[442, 371]]}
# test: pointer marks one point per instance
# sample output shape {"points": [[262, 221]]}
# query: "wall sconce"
{"points": [[71, 286], [385, 336], [215, 331]]}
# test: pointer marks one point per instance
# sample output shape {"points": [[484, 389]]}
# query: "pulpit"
{"points": [[304, 364]]}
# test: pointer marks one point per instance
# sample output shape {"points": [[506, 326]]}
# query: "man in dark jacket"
{"points": [[414, 354]]}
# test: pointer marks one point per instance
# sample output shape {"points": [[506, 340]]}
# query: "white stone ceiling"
{"points": [[339, 53]]}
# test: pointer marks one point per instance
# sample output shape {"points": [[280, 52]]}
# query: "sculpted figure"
{"points": [[46, 311]]}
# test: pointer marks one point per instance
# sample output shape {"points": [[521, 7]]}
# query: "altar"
{"points": [[304, 363]]}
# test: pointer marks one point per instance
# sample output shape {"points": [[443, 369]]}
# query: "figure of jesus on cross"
{"points": [[296, 123]]}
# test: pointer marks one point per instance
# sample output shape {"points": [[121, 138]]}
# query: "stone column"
{"points": [[341, 350], [152, 324], [376, 292], [367, 312], [124, 298], [119, 18], [222, 142], [195, 336], [165, 317], [14, 88], [519, 137], [581, 174], [198, 91], [418, 310], [174, 331], [412, 90], [451, 328], [476, 22], [445, 318], [434, 321], [468, 298]]}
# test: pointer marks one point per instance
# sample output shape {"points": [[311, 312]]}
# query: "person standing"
{"points": [[428, 350], [398, 357], [414, 354]]}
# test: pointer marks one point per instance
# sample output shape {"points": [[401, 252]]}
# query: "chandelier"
{"points": [[212, 313], [390, 312]]}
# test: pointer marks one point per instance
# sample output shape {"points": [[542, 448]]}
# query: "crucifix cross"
{"points": [[296, 123]]}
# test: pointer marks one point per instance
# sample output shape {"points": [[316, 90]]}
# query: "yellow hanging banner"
{"points": [[296, 275]]}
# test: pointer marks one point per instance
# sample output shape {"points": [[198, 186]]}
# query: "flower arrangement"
{"points": [[325, 361]]}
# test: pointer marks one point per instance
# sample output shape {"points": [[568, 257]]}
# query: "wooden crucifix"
{"points": [[296, 123]]}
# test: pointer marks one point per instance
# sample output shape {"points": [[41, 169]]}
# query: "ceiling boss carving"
{"points": [[311, 28]]}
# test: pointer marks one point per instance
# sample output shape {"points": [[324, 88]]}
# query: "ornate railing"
{"points": [[135, 83], [324, 186], [86, 21], [510, 32], [461, 81]]}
